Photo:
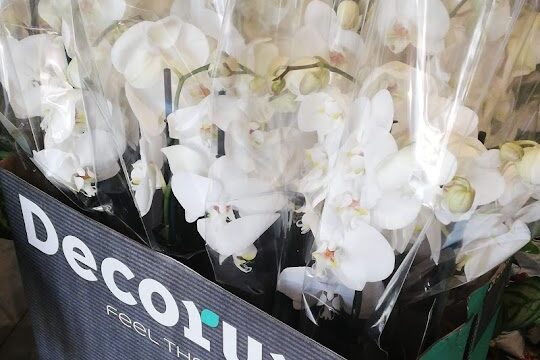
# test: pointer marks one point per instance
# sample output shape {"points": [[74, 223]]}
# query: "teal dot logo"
{"points": [[210, 318]]}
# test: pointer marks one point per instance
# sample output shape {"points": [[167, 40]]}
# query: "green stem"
{"points": [[456, 9], [325, 65], [166, 201], [526, 142], [183, 78], [115, 25]]}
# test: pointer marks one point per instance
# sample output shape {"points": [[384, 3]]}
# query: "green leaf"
{"points": [[521, 304], [531, 248]]}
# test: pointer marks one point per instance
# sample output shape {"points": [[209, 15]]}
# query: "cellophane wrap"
{"points": [[334, 162], [59, 116]]}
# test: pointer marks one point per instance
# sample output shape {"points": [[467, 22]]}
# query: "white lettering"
{"points": [[194, 329], [171, 315], [108, 267], [49, 246], [229, 344], [74, 259]]}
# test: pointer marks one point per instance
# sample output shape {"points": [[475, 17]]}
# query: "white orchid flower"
{"points": [[298, 282], [65, 169], [145, 49], [29, 69], [397, 77], [330, 36], [521, 175], [97, 149], [232, 210], [355, 257], [306, 290], [423, 23], [62, 112], [324, 114], [353, 192], [146, 176], [477, 182], [488, 241], [275, 155]]}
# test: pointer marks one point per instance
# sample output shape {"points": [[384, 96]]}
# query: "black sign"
{"points": [[96, 294]]}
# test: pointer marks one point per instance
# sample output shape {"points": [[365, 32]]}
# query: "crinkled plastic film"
{"points": [[50, 118], [335, 162]]}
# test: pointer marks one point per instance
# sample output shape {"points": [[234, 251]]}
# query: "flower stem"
{"points": [[166, 203], [325, 65], [456, 9], [526, 142], [115, 25], [183, 78]]}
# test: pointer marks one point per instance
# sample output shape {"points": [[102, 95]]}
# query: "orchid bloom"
{"points": [[74, 164], [325, 114], [477, 182], [488, 240], [330, 35], [520, 168], [352, 191], [30, 68], [65, 169], [232, 210], [63, 112], [423, 23], [145, 49], [354, 257]]}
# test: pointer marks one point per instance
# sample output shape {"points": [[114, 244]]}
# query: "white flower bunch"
{"points": [[238, 113]]}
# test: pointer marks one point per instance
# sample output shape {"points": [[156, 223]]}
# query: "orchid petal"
{"points": [[191, 50], [182, 158], [291, 282], [382, 110], [191, 191], [366, 257], [56, 164], [396, 170], [144, 192], [483, 255], [482, 226], [488, 184], [320, 15], [164, 32], [395, 210], [186, 122], [147, 105], [132, 57], [235, 236]]}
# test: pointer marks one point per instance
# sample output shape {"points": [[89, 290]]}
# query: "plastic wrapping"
{"points": [[335, 162], [59, 121]]}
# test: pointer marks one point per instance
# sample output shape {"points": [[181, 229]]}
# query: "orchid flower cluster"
{"points": [[243, 111]]}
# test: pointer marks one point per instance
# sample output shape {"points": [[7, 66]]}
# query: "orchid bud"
{"points": [[258, 84], [459, 195], [511, 152], [529, 166], [278, 85], [249, 254], [348, 13], [314, 81]]}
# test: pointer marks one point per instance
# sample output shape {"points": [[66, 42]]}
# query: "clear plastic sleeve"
{"points": [[57, 120]]}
